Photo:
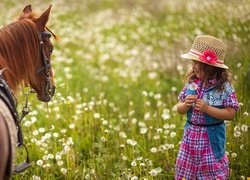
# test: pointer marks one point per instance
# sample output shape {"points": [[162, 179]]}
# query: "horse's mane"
{"points": [[19, 44]]}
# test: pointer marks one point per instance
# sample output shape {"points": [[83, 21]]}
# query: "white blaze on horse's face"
{"points": [[44, 84]]}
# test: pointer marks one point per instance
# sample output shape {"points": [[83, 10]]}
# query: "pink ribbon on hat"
{"points": [[208, 57]]}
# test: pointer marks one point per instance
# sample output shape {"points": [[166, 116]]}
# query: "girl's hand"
{"points": [[190, 99], [200, 105]]}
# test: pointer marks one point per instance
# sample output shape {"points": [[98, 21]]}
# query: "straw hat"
{"points": [[209, 50]]}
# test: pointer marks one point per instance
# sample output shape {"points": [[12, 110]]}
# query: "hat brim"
{"points": [[192, 57]]}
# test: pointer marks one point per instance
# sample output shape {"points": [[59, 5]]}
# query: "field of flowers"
{"points": [[118, 72]]}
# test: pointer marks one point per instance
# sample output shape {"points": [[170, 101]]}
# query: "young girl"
{"points": [[208, 99]]}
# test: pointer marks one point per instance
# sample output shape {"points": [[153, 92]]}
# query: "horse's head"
{"points": [[43, 83]]}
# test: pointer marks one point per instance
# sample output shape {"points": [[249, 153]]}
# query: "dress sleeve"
{"points": [[230, 97], [231, 100], [182, 95]]}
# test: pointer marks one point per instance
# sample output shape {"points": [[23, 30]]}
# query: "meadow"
{"points": [[118, 72]]}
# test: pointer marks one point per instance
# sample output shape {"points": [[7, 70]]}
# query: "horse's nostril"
{"points": [[52, 91]]}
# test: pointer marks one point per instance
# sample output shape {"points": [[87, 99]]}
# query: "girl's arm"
{"points": [[226, 113]]}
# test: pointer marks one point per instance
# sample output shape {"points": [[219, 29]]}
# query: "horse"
{"points": [[25, 52]]}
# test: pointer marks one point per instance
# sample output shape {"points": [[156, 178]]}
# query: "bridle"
{"points": [[11, 97], [46, 64]]}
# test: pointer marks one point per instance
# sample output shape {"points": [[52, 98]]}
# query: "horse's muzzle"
{"points": [[47, 96]]}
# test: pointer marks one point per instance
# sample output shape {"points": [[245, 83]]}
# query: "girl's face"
{"points": [[198, 70]]}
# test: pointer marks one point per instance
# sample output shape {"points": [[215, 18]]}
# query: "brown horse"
{"points": [[25, 51]]}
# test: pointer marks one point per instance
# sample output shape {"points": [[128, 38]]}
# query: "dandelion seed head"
{"points": [[55, 135], [144, 93], [156, 137], [131, 142], [172, 134], [142, 124], [34, 177], [50, 156], [122, 135], [52, 127], [162, 148], [45, 157], [153, 150], [131, 112], [147, 103], [244, 127], [134, 121], [104, 122], [39, 162], [35, 132], [97, 115], [33, 119], [47, 165], [157, 96], [106, 131], [41, 130], [60, 163], [133, 163], [63, 170], [142, 164], [237, 128], [242, 177], [147, 116], [246, 114], [173, 89], [172, 126], [124, 158], [166, 126], [103, 139], [234, 155], [240, 104], [237, 134], [71, 126], [159, 130], [143, 130], [134, 178], [153, 172], [63, 131], [70, 141], [58, 157], [27, 123], [47, 136]]}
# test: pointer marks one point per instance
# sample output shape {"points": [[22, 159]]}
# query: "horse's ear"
{"points": [[43, 19], [27, 9]]}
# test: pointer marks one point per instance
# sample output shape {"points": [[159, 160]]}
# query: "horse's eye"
{"points": [[50, 50]]}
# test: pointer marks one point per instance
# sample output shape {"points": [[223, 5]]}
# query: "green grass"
{"points": [[118, 71]]}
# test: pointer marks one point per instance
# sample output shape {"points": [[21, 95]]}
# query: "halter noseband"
{"points": [[47, 64]]}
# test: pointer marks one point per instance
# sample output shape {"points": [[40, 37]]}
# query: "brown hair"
{"points": [[211, 72]]}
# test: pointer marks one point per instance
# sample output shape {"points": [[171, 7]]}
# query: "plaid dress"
{"points": [[196, 159]]}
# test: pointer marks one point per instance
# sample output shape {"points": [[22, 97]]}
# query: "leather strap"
{"points": [[204, 125]]}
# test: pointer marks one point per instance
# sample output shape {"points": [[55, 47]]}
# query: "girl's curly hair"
{"points": [[211, 72]]}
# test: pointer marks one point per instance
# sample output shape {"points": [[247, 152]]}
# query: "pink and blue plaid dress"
{"points": [[195, 159]]}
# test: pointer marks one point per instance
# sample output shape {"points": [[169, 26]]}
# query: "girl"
{"points": [[208, 99]]}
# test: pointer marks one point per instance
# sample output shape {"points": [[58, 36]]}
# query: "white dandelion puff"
{"points": [[143, 130], [39, 162], [172, 134], [64, 171], [244, 127], [133, 163], [72, 126], [60, 163], [153, 150]]}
